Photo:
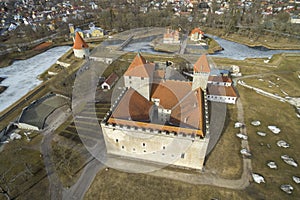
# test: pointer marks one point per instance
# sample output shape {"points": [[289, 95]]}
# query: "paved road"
{"points": [[183, 44], [78, 190], [46, 150]]}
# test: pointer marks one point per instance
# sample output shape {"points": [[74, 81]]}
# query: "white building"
{"points": [[222, 94]]}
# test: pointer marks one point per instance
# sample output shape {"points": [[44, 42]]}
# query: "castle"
{"points": [[160, 120]]}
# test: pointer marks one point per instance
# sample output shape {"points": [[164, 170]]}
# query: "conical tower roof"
{"points": [[139, 67], [79, 43], [202, 65]]}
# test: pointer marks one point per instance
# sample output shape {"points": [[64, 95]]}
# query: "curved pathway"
{"points": [[55, 186]]}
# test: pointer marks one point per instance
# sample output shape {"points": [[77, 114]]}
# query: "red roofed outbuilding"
{"points": [[110, 81]]}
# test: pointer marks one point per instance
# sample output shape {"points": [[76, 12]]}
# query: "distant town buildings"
{"points": [[92, 32]]}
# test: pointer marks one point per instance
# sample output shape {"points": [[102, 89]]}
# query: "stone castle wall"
{"points": [[180, 150], [140, 84]]}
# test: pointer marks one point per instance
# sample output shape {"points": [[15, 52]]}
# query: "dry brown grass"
{"points": [[264, 39], [225, 159], [114, 184], [22, 169], [271, 112]]}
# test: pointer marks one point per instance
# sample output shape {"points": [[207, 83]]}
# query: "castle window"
{"points": [[182, 155], [164, 147], [117, 140], [133, 149], [129, 77], [144, 151], [144, 144], [142, 78], [130, 82], [122, 147]]}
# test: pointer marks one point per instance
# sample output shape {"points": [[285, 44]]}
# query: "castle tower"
{"points": [[201, 73], [139, 76], [80, 48]]}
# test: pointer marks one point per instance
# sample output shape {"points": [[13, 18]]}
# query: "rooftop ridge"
{"points": [[202, 65], [140, 67]]}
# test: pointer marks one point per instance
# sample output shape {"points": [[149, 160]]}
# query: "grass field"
{"points": [[225, 160], [266, 39], [114, 184], [272, 112], [22, 169], [69, 153]]}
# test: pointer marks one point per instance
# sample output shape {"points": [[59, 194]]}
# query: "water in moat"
{"points": [[22, 76]]}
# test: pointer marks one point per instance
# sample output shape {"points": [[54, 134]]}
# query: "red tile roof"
{"points": [[79, 43], [197, 30], [160, 127], [133, 106], [185, 105], [139, 67], [188, 113], [170, 92], [219, 79], [42, 46], [221, 90], [202, 64], [111, 79]]}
